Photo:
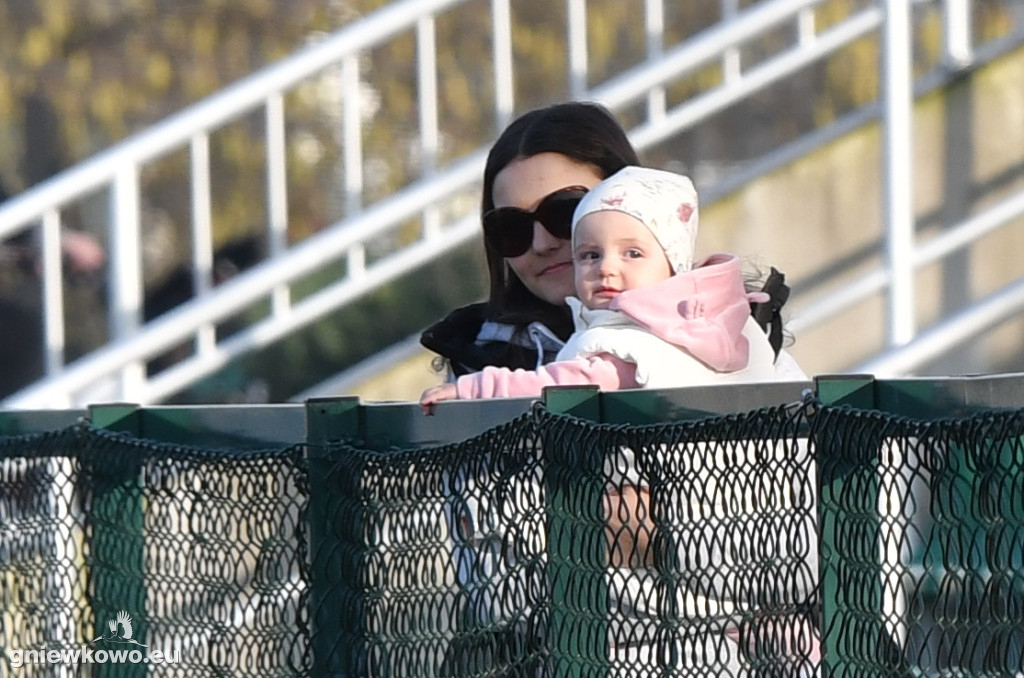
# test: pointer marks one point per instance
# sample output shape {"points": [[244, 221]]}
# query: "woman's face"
{"points": [[546, 268]]}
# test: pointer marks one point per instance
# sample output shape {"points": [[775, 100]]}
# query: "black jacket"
{"points": [[457, 339]]}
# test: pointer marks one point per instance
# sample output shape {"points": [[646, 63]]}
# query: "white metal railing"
{"points": [[950, 241], [120, 364]]}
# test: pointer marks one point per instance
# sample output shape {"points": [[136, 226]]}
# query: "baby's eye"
{"points": [[634, 253], [587, 255]]}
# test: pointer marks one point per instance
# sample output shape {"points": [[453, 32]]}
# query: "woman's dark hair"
{"points": [[583, 131]]}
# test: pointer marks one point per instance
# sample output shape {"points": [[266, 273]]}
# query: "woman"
{"points": [[525, 320]]}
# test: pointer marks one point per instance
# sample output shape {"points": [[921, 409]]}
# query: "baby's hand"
{"points": [[436, 394]]}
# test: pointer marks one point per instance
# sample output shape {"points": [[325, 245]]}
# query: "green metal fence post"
{"points": [[118, 417], [831, 474], [853, 390], [576, 545], [335, 619], [851, 567], [117, 519]]}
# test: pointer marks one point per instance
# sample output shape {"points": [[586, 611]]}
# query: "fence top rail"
{"points": [[394, 425], [924, 397]]}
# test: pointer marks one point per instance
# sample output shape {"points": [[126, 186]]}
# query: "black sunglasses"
{"points": [[509, 230]]}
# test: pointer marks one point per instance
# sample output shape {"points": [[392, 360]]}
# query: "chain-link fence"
{"points": [[793, 540]]}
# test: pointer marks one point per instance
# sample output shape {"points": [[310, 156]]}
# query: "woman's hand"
{"points": [[436, 394]]}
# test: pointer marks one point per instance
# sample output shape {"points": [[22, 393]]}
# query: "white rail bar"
{"points": [[504, 98], [898, 175], [53, 292], [701, 49], [702, 106], [310, 309], [948, 334], [876, 280], [250, 286], [956, 26]]}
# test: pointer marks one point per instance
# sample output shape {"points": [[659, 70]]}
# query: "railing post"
{"points": [[352, 133], [855, 391], [654, 27], [956, 25], [352, 156], [898, 144], [202, 231], [576, 39], [731, 63], [277, 193], [53, 294], [576, 543], [426, 94], [504, 90], [126, 273]]}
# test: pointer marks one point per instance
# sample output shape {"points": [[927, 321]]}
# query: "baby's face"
{"points": [[615, 252]]}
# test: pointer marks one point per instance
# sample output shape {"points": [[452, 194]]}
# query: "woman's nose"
{"points": [[543, 241]]}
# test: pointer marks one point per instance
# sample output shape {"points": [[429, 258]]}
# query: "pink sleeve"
{"points": [[605, 371]]}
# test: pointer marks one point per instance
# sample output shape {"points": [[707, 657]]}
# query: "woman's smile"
{"points": [[556, 267]]}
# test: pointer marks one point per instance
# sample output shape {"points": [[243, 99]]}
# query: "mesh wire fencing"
{"points": [[556, 546], [786, 541], [111, 544], [923, 544]]}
